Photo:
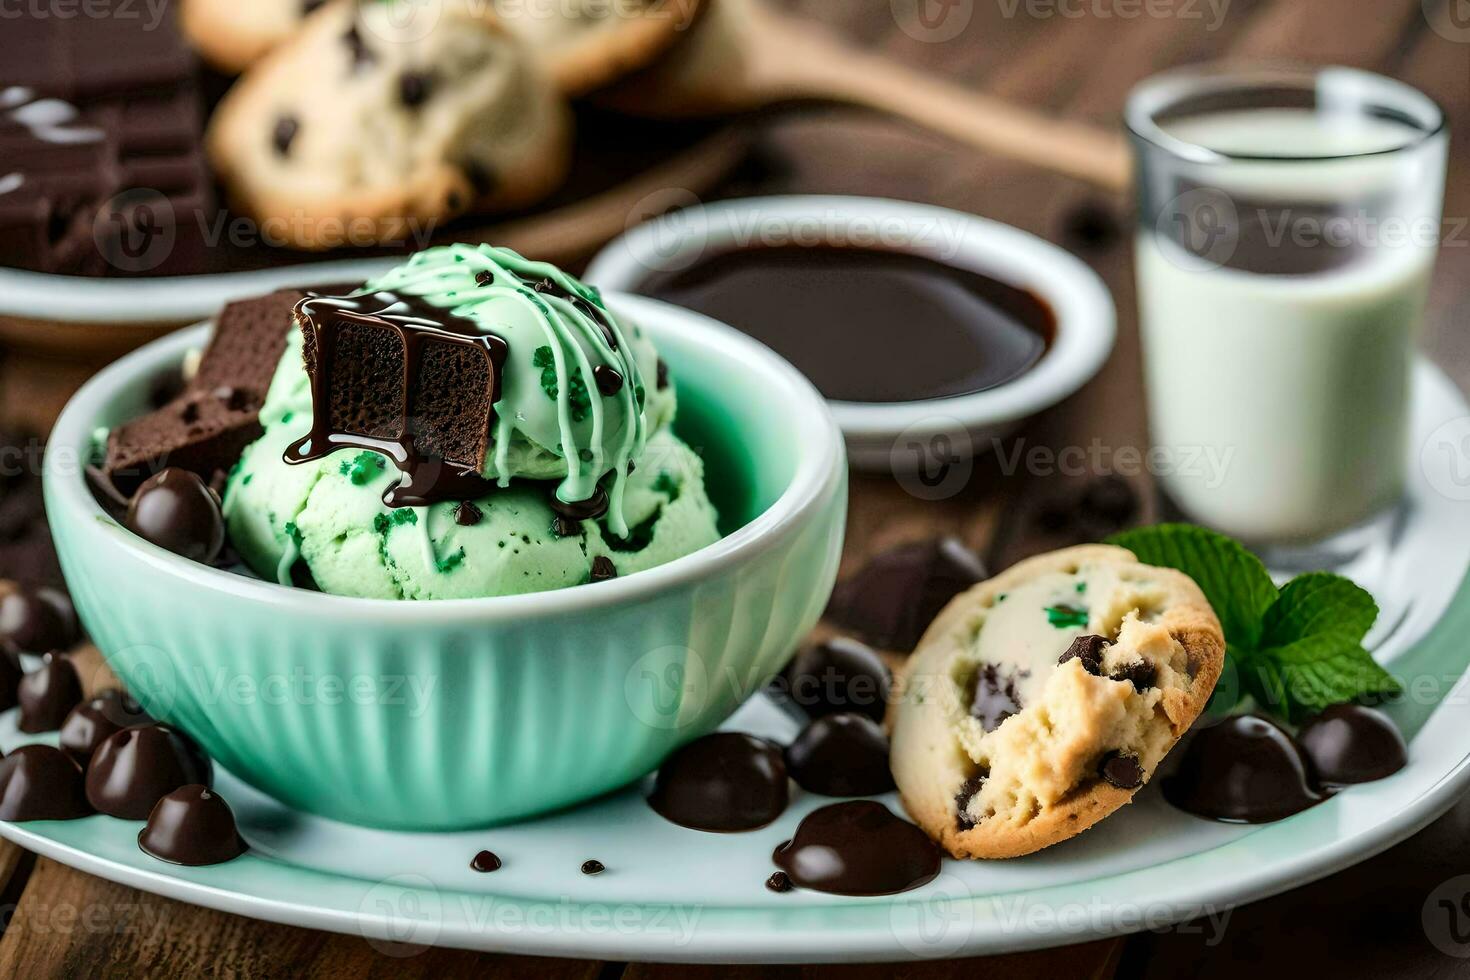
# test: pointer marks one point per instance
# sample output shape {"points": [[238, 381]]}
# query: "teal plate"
{"points": [[672, 894]]}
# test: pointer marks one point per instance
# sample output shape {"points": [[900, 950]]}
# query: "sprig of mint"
{"points": [[1297, 649]]}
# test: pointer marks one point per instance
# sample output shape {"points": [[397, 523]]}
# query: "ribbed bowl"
{"points": [[463, 713]]}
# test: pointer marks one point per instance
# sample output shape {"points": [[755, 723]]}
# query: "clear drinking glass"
{"points": [[1288, 224]]}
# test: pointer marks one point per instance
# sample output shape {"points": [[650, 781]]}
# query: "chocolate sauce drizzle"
{"points": [[427, 478]]}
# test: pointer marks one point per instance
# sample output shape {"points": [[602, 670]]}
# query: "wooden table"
{"points": [[1072, 57]]}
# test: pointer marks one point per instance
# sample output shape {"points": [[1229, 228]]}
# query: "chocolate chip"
{"points": [[565, 527], [192, 826], [485, 862], [779, 882], [285, 134], [1143, 675], [593, 867], [175, 510], [362, 55], [467, 514], [48, 695], [1088, 649], [603, 569], [413, 88], [1122, 771], [994, 697], [36, 621], [662, 375], [962, 799], [609, 381], [582, 510], [484, 278], [136, 767]]}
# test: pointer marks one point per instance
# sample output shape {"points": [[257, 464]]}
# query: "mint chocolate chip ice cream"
{"points": [[524, 426]]}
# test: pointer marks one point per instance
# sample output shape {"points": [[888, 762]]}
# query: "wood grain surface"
{"points": [[1078, 59]]}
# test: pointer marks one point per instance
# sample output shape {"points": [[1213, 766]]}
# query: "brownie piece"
{"points": [[395, 375], [206, 426], [100, 123]]}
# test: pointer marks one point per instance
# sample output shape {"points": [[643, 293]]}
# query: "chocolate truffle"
{"points": [[841, 755], [192, 826], [92, 723], [723, 782], [894, 598], [176, 510], [135, 768], [48, 694], [838, 676], [36, 620], [1246, 769], [1351, 743], [38, 782]]}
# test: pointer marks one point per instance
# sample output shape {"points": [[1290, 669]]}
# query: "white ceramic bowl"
{"points": [[900, 436]]}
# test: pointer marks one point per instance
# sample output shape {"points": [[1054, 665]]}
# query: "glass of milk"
{"points": [[1288, 224]]}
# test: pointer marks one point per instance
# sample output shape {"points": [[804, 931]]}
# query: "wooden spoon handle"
{"points": [[813, 64]]}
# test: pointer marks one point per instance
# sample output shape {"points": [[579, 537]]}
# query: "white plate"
{"points": [[676, 894]]}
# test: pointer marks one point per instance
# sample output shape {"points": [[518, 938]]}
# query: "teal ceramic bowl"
{"points": [[464, 713]]}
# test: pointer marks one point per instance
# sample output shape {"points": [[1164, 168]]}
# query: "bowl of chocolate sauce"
{"points": [[932, 333]]}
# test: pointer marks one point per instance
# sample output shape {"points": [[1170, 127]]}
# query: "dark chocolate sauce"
{"points": [[38, 782], [837, 676], [48, 694], [841, 755], [867, 325], [894, 598], [993, 697], [858, 848], [177, 511], [92, 723], [136, 767], [1246, 769], [485, 862], [192, 826], [1350, 743], [725, 782], [427, 478]]}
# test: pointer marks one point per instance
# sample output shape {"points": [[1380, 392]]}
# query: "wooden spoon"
{"points": [[742, 54]]}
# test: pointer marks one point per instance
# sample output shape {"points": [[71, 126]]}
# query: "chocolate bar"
{"points": [[207, 425], [395, 375], [101, 170]]}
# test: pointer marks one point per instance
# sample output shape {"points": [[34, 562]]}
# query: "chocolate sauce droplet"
{"points": [[1246, 769], [1351, 743], [1088, 649], [593, 867], [609, 381], [135, 768], [38, 782], [175, 510], [993, 698], [192, 826], [582, 510], [1121, 770], [484, 278], [894, 598], [36, 621], [841, 755], [48, 694], [725, 782], [485, 862], [603, 569], [92, 723], [858, 848], [836, 676], [467, 514], [779, 882], [284, 135]]}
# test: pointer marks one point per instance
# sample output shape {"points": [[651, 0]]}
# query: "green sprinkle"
{"points": [[293, 532], [1002, 597], [287, 417], [451, 562], [544, 359], [383, 523], [362, 468], [1066, 617], [578, 397], [1081, 587], [245, 482]]}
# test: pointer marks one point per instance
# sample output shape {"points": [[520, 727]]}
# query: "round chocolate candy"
{"points": [[38, 782], [837, 676], [841, 755], [36, 620], [723, 782], [48, 694], [93, 722], [135, 768], [1351, 743], [192, 826], [175, 510]]}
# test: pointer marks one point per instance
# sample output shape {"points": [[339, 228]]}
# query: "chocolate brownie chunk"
{"points": [[206, 427]]}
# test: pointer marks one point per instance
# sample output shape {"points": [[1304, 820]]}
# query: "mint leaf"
{"points": [[1234, 581], [1311, 652]]}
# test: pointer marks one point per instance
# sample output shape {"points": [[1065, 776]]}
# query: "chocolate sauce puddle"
{"points": [[869, 325], [427, 477], [858, 848], [1246, 769]]}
